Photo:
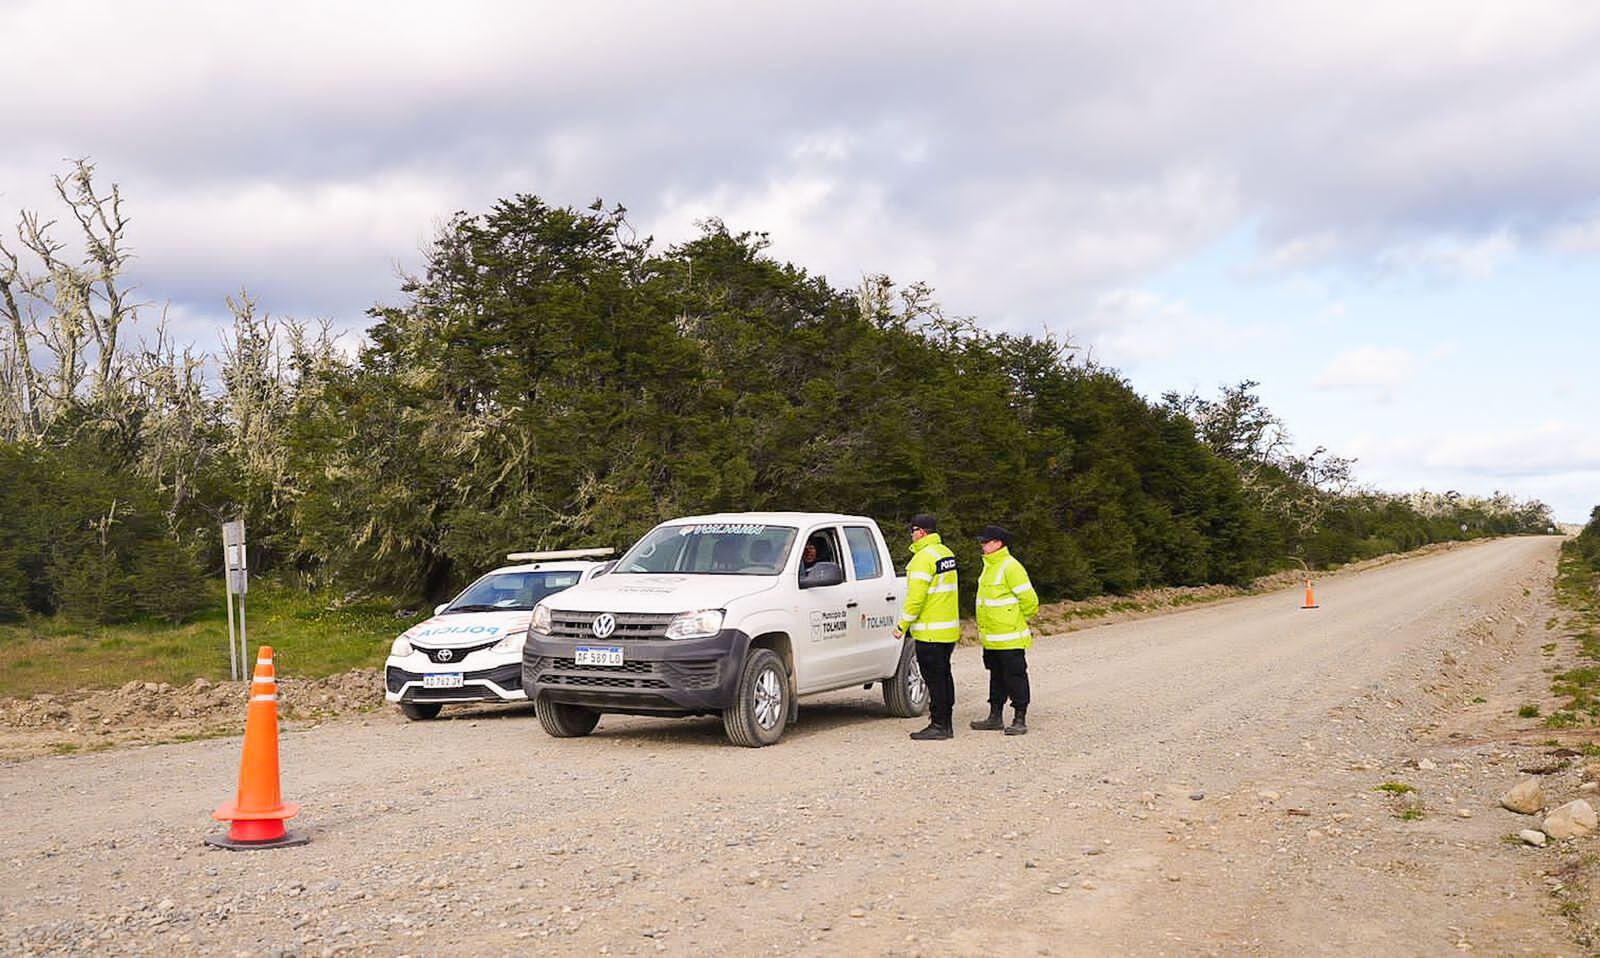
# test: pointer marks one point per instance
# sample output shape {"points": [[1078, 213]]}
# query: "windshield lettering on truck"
{"points": [[723, 529], [710, 548]]}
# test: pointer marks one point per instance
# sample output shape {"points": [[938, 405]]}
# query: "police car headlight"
{"points": [[541, 619], [510, 642], [695, 625], [400, 647]]}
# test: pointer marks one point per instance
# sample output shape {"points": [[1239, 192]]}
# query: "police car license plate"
{"points": [[442, 680], [598, 655]]}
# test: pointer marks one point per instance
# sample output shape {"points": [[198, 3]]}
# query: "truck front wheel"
{"points": [[905, 694], [761, 704], [565, 721]]}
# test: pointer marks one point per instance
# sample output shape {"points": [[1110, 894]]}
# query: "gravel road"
{"points": [[1205, 782]]}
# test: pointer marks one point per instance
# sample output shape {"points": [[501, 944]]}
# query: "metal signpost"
{"points": [[238, 573]]}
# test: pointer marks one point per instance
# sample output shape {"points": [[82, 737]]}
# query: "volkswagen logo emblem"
{"points": [[446, 655], [604, 624]]}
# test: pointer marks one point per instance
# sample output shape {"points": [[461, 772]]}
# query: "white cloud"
{"points": [[1556, 462], [1580, 236], [1371, 368], [1130, 326], [1454, 257], [1549, 448]]}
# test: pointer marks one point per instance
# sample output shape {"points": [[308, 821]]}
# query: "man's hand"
{"points": [[899, 634]]}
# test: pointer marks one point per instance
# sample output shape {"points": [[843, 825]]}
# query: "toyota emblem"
{"points": [[604, 624], [446, 655]]}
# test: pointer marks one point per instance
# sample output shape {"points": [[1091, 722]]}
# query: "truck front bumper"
{"points": [[656, 677]]}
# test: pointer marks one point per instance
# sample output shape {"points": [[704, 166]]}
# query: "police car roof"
{"points": [[562, 565]]}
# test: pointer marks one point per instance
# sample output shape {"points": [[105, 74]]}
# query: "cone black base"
{"points": [[232, 844]]}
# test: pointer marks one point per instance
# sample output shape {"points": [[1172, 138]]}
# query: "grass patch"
{"points": [[1405, 803], [312, 634], [1528, 711], [1578, 688]]}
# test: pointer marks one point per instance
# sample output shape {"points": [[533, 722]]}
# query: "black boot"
{"points": [[1019, 724], [934, 732], [994, 723]]}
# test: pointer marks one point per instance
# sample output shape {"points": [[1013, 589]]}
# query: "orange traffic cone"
{"points": [[259, 811], [1311, 598]]}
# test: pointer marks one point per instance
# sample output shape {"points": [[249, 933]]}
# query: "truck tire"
{"points": [[761, 703], [420, 711], [905, 694], [561, 720]]}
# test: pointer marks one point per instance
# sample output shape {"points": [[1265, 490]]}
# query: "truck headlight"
{"points": [[511, 641], [541, 619], [695, 625], [400, 648]]}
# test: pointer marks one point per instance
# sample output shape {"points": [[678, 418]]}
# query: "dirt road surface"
{"points": [[1205, 782]]}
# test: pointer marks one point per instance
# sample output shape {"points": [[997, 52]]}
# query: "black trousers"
{"points": [[933, 658], [1008, 677]]}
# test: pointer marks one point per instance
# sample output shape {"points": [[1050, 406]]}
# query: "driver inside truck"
{"points": [[725, 555], [816, 550]]}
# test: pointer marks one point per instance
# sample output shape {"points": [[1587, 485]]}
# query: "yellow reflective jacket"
{"points": [[932, 610], [1006, 601]]}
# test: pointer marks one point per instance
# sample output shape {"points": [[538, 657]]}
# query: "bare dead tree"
{"points": [[19, 404], [100, 218], [65, 320]]}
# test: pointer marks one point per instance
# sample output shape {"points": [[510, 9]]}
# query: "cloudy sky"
{"points": [[1386, 214]]}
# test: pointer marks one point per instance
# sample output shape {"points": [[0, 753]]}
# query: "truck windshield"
{"points": [[512, 591], [710, 548]]}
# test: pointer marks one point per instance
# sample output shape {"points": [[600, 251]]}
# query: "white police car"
{"points": [[471, 650]]}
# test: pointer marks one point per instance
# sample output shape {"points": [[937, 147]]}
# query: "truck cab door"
{"points": [[822, 655], [875, 650]]}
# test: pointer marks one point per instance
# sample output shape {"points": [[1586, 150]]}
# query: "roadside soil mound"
{"points": [[146, 713]]}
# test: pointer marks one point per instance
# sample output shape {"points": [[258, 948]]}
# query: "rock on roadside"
{"points": [[1524, 798], [1571, 820]]}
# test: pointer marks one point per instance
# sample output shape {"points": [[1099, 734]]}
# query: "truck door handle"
{"points": [[889, 598], [851, 605]]}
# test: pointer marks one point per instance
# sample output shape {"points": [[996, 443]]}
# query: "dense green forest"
{"points": [[552, 380]]}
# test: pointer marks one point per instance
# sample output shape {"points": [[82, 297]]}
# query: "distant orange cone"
{"points": [[1311, 598], [259, 810]]}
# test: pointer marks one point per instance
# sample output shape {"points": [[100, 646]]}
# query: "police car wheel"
{"points": [[905, 694], [420, 711]]}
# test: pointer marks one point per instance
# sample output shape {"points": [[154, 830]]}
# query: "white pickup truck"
{"points": [[737, 615]]}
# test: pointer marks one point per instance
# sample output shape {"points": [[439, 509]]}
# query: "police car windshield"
{"points": [[512, 591], [710, 548]]}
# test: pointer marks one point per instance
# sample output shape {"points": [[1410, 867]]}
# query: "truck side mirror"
{"points": [[822, 574], [440, 607]]}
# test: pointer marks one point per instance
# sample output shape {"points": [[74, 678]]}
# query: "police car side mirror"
{"points": [[822, 574], [440, 607]]}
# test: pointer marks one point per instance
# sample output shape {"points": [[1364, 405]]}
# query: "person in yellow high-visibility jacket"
{"points": [[932, 615], [1006, 601]]}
